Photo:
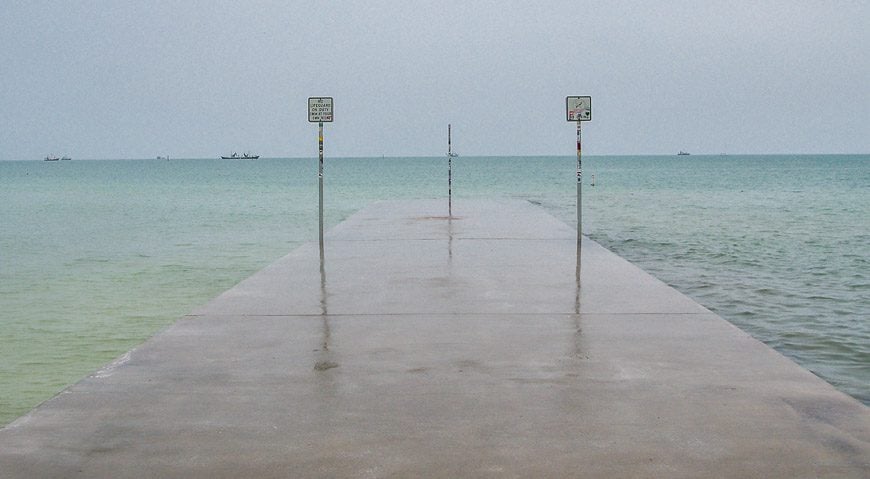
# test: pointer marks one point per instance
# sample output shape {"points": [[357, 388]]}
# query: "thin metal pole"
{"points": [[450, 156], [320, 184], [579, 202]]}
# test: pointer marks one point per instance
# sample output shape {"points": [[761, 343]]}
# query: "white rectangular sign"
{"points": [[579, 108], [320, 109]]}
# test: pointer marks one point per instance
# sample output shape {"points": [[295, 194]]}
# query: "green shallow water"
{"points": [[96, 256]]}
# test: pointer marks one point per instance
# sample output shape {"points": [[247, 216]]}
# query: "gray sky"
{"points": [[118, 79]]}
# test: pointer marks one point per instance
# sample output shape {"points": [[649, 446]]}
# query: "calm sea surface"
{"points": [[96, 256]]}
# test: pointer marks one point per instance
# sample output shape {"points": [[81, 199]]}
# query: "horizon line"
{"points": [[262, 157]]}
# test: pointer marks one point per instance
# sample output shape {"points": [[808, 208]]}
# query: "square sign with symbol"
{"points": [[579, 108]]}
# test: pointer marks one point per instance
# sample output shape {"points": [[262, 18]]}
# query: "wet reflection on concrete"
{"points": [[577, 295], [323, 309], [324, 355], [578, 333], [579, 256], [577, 278], [450, 239]]}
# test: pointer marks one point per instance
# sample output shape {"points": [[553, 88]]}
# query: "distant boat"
{"points": [[683, 153], [236, 156], [51, 158], [65, 158], [163, 157]]}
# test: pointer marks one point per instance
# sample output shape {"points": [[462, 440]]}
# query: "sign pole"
{"points": [[449, 173], [320, 184], [319, 111], [579, 109], [579, 196]]}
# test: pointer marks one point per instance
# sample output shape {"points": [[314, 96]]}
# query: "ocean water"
{"points": [[96, 256]]}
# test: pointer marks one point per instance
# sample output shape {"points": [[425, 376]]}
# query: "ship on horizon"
{"points": [[236, 156]]}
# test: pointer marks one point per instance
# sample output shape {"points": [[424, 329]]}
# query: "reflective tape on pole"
{"points": [[320, 149], [579, 155]]}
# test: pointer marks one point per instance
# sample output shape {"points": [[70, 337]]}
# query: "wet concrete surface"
{"points": [[429, 346]]}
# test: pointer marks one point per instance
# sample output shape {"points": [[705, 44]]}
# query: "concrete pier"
{"points": [[428, 346]]}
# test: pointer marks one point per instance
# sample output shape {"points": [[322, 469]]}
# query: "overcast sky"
{"points": [[123, 79]]}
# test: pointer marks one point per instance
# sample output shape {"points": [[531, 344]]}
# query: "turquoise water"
{"points": [[95, 256]]}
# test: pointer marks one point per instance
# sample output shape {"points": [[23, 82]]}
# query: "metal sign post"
{"points": [[320, 184], [450, 156], [579, 109], [320, 111]]}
